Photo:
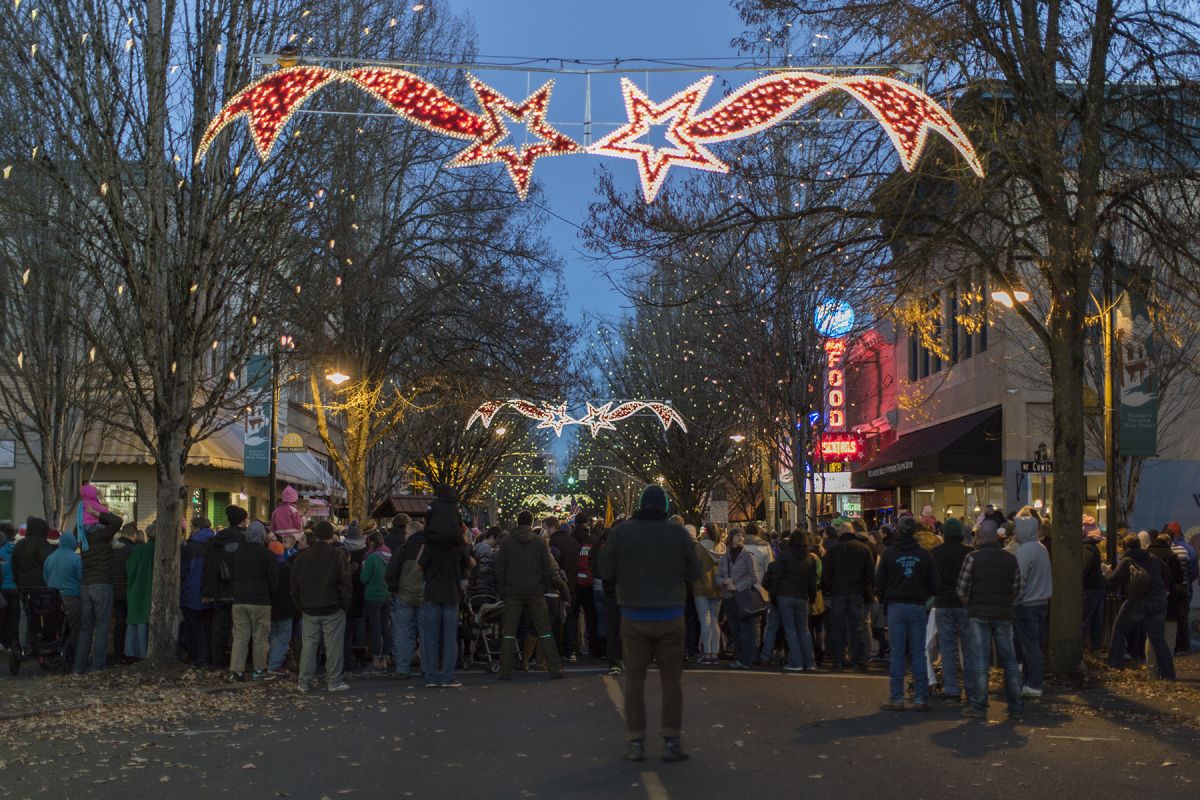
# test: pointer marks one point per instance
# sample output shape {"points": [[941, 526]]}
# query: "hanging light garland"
{"points": [[597, 418], [906, 113]]}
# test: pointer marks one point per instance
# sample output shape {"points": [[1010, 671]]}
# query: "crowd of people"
{"points": [[267, 599]]}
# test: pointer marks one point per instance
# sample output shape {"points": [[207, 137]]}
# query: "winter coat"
{"points": [[321, 580], [906, 573], [523, 565], [848, 568], [949, 558], [413, 593], [1160, 575], [220, 550], [255, 573], [356, 550], [794, 574], [568, 551], [1036, 584], [443, 521], [282, 606], [140, 572], [1177, 596], [191, 569], [63, 569], [372, 576], [30, 554], [121, 548], [708, 553], [92, 511], [760, 550], [1093, 575], [444, 572], [741, 568], [98, 558], [7, 581], [650, 561]]}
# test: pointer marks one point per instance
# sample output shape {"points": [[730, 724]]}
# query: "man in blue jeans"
{"points": [[953, 637], [1031, 610], [907, 582], [445, 562], [96, 593], [988, 585], [847, 574], [407, 585]]}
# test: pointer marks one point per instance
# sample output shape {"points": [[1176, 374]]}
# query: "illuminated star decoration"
{"points": [[598, 418], [654, 162], [519, 162]]}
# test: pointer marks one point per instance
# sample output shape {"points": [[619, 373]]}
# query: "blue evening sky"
{"points": [[616, 29]]}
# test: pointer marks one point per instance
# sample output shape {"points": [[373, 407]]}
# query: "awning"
{"points": [[303, 469], [968, 445], [415, 505]]}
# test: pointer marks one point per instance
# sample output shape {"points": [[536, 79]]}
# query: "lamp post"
{"points": [[285, 342]]}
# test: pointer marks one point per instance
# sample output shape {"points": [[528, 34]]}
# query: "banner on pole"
{"points": [[1137, 384], [256, 450]]}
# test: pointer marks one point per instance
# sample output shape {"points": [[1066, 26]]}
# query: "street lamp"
{"points": [[737, 438], [337, 377], [501, 431]]}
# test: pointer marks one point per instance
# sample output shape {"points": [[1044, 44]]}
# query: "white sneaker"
{"points": [[1029, 691], [340, 686]]}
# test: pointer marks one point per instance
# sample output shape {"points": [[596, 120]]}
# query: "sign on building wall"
{"points": [[1137, 383], [256, 452]]}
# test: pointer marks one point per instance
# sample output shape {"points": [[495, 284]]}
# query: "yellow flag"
{"points": [[608, 513]]}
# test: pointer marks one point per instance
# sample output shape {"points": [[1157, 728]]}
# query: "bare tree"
{"points": [[183, 258]]}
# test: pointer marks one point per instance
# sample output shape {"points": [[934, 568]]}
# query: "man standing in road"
{"points": [[651, 561], [524, 570], [907, 581], [848, 571], [321, 589]]}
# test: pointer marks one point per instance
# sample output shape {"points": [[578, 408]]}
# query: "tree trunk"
{"points": [[164, 602], [1066, 373]]}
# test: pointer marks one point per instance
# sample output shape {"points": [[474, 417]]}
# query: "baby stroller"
{"points": [[487, 623], [47, 638]]}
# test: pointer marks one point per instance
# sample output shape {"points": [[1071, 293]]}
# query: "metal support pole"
{"points": [[274, 429], [1110, 416]]}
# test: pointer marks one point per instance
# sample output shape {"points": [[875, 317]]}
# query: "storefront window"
{"points": [[7, 490], [121, 497]]}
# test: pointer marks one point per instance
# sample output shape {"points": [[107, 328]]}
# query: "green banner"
{"points": [[256, 451], [1137, 383]]}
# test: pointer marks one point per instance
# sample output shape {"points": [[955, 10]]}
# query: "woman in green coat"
{"points": [[376, 599], [139, 570]]}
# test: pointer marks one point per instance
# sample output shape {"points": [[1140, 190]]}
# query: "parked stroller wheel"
{"points": [[494, 667], [14, 660]]}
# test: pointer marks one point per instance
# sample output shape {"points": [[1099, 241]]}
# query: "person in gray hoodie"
{"points": [[1033, 603]]}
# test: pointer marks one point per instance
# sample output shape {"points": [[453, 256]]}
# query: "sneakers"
{"points": [[793, 669], [571, 659], [971, 712], [340, 686], [262, 675], [432, 685], [738, 665], [1029, 691], [278, 673], [635, 750], [235, 677], [616, 669], [890, 706], [400, 676], [303, 688], [921, 707], [452, 685], [673, 750]]}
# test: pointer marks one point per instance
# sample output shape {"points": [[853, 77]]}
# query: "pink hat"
{"points": [[290, 495]]}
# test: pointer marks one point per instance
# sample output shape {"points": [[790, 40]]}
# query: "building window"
{"points": [[983, 326], [913, 355], [937, 309], [220, 501], [121, 497], [7, 491]]}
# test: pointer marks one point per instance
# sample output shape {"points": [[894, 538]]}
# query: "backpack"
{"points": [[1138, 587], [583, 574], [412, 581]]}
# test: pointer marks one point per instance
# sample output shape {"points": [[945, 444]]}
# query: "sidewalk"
{"points": [[1131, 693]]}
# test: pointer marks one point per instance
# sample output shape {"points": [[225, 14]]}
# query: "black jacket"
{"points": [[793, 574], [30, 555], [949, 559], [394, 539], [568, 552], [98, 558], [1093, 576], [906, 574], [523, 565], [1177, 591], [848, 568], [993, 576], [443, 519], [220, 550], [444, 572], [651, 562], [282, 606], [320, 582], [121, 548], [255, 574]]}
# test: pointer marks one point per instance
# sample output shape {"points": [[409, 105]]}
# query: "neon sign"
{"points": [[835, 386], [838, 447]]}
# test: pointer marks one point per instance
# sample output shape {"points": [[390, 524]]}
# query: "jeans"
{"points": [[984, 633], [953, 640], [1029, 623], [846, 622], [612, 627], [95, 611], [404, 634], [251, 631], [584, 600], [708, 611], [793, 611], [12, 618], [515, 606], [1151, 615], [664, 641], [742, 632], [770, 634], [195, 632], [221, 629], [280, 639], [331, 629], [374, 611], [439, 637], [906, 628], [1093, 618], [120, 610]]}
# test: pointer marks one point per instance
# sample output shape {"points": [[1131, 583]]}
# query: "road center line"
{"points": [[654, 787], [615, 695]]}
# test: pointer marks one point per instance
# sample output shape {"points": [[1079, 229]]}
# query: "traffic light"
{"points": [[571, 481]]}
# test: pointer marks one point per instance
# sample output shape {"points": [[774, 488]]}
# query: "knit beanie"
{"points": [[236, 515], [653, 498], [952, 529]]}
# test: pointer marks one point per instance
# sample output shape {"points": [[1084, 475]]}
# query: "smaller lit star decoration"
{"points": [[518, 161], [678, 113], [597, 418]]}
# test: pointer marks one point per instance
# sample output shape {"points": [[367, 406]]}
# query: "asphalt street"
{"points": [[751, 735]]}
